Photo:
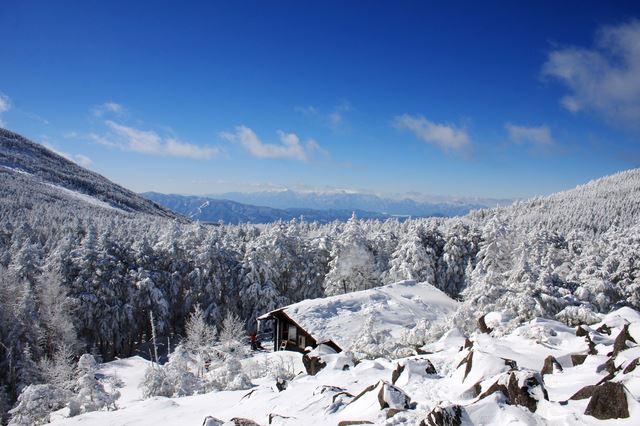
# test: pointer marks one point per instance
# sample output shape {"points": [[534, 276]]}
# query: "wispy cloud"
{"points": [[290, 145], [79, 159], [5, 105], [149, 142], [335, 118], [444, 136], [604, 79], [538, 136], [108, 108]]}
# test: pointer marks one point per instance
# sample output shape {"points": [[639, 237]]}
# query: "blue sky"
{"points": [[461, 98]]}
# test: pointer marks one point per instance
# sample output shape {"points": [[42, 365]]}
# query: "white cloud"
{"points": [[5, 105], [79, 159], [446, 137], [150, 142], [334, 119], [108, 107], [83, 160], [290, 146], [146, 142], [604, 79], [538, 136], [308, 110]]}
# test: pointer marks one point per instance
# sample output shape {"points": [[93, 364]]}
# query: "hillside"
{"points": [[37, 169], [208, 209], [595, 206]]}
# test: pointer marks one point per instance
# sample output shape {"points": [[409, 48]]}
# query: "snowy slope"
{"points": [[38, 165], [330, 396], [395, 307], [595, 206]]}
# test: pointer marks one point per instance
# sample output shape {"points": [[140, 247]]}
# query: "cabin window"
{"points": [[293, 333], [302, 342]]}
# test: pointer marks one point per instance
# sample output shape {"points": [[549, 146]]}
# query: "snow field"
{"points": [[330, 396]]}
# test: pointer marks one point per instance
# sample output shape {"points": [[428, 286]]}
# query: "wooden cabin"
{"points": [[288, 335], [337, 321]]}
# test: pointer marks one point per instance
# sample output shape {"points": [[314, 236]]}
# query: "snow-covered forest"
{"points": [[76, 277]]}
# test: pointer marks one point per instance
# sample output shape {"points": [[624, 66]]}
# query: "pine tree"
{"points": [[90, 393], [352, 266]]}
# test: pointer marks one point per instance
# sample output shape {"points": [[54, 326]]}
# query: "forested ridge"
{"points": [[84, 277]]}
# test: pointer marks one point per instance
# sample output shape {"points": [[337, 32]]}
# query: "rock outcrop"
{"points": [[608, 401], [524, 388], [444, 416], [550, 366]]}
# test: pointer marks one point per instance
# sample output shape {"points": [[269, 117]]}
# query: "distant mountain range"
{"points": [[208, 209], [323, 207], [412, 204]]}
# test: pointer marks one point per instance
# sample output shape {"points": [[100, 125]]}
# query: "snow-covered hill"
{"points": [[595, 206], [30, 168], [542, 373]]}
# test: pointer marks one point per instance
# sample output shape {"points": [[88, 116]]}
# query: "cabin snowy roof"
{"points": [[395, 307]]}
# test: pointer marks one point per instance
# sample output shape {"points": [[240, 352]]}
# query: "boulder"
{"points": [[395, 374], [387, 395], [631, 366], [411, 367], [523, 388], [604, 329], [473, 391], [584, 393], [578, 359], [341, 396], [550, 365], [354, 422], [511, 363], [592, 346], [444, 416], [610, 367], [281, 385], [482, 325], [212, 421], [468, 344], [468, 363], [390, 396], [313, 364], [581, 331], [620, 343], [608, 401], [393, 411], [430, 369]]}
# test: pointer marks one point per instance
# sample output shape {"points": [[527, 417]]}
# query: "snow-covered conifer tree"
{"points": [[352, 266], [90, 393]]}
